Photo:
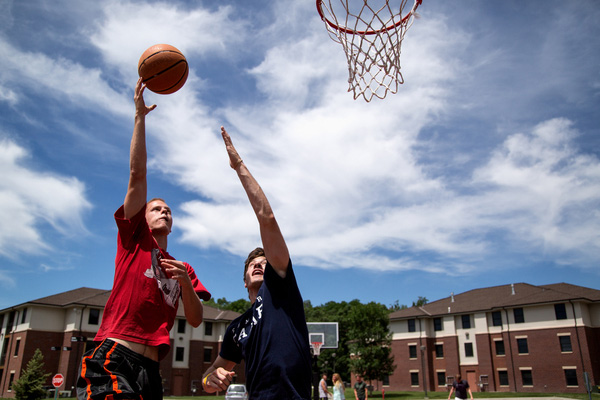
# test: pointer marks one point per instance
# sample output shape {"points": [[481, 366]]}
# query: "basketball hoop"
{"points": [[316, 347], [371, 35]]}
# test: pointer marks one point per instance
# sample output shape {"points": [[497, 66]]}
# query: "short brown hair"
{"points": [[257, 252], [155, 199]]}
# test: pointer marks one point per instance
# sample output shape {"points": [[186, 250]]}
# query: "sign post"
{"points": [[57, 381]]}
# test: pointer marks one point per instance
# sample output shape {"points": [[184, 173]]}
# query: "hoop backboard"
{"points": [[325, 332]]}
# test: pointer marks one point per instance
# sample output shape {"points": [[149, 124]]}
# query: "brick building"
{"points": [[62, 326], [511, 338]]}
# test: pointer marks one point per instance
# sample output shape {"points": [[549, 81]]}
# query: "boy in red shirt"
{"points": [[148, 284]]}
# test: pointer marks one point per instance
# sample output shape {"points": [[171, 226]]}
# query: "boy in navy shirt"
{"points": [[271, 336]]}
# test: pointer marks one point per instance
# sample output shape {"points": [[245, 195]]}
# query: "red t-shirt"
{"points": [[143, 303]]}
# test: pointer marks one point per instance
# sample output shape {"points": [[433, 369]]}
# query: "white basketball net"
{"points": [[316, 347], [371, 33]]}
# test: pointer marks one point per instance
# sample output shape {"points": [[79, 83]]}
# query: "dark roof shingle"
{"points": [[514, 295]]}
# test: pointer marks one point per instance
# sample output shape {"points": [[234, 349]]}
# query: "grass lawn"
{"points": [[417, 395], [436, 395]]}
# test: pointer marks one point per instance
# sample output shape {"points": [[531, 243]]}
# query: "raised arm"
{"points": [[276, 250], [137, 188]]}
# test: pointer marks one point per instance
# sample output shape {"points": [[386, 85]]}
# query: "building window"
{"points": [[437, 324], [207, 354], [519, 316], [412, 351], [11, 320], [94, 316], [466, 321], [10, 380], [571, 376], [560, 310], [414, 379], [522, 346], [441, 377], [17, 345], [386, 380], [500, 347], [5, 350], [439, 351], [179, 353], [24, 315], [565, 344], [468, 349], [208, 328], [527, 377], [503, 378], [497, 318], [412, 325], [181, 323]]}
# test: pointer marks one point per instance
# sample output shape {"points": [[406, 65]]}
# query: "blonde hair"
{"points": [[337, 379]]}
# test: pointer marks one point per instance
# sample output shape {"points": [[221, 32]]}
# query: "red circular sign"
{"points": [[58, 380]]}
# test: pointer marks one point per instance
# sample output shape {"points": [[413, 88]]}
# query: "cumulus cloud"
{"points": [[545, 191], [74, 83], [32, 199], [193, 31]]}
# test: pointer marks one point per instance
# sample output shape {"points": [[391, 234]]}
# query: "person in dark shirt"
{"points": [[461, 387], [271, 337]]}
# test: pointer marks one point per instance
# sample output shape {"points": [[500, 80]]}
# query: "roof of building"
{"points": [[497, 297], [91, 297]]}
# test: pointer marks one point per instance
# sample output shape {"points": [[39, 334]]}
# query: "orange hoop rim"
{"points": [[353, 32]]}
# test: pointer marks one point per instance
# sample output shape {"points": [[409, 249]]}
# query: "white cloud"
{"points": [[75, 84], [8, 96], [545, 191], [193, 31], [6, 280], [32, 198]]}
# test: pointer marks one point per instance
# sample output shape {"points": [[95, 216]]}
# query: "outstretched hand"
{"points": [[140, 105], [234, 158]]}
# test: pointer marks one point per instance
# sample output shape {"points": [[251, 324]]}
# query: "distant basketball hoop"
{"points": [[322, 335], [371, 33]]}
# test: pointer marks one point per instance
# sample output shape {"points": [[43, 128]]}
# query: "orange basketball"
{"points": [[163, 69]]}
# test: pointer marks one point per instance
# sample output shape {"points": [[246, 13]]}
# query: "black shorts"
{"points": [[112, 371]]}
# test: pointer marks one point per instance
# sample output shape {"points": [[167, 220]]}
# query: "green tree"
{"points": [[30, 386], [397, 306], [240, 305], [370, 340], [333, 360], [420, 302]]}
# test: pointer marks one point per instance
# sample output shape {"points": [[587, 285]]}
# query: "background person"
{"points": [[461, 387], [360, 389], [324, 393], [338, 387]]}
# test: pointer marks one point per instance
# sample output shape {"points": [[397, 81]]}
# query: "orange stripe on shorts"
{"points": [[113, 377]]}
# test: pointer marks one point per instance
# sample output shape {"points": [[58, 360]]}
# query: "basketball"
{"points": [[163, 68]]}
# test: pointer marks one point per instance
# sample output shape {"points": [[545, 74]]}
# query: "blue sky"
{"points": [[482, 170]]}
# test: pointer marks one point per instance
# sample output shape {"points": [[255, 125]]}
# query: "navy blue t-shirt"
{"points": [[272, 338]]}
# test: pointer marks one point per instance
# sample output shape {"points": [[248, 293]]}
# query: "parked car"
{"points": [[236, 392]]}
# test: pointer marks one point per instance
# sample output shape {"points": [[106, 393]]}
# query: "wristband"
{"points": [[206, 379]]}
